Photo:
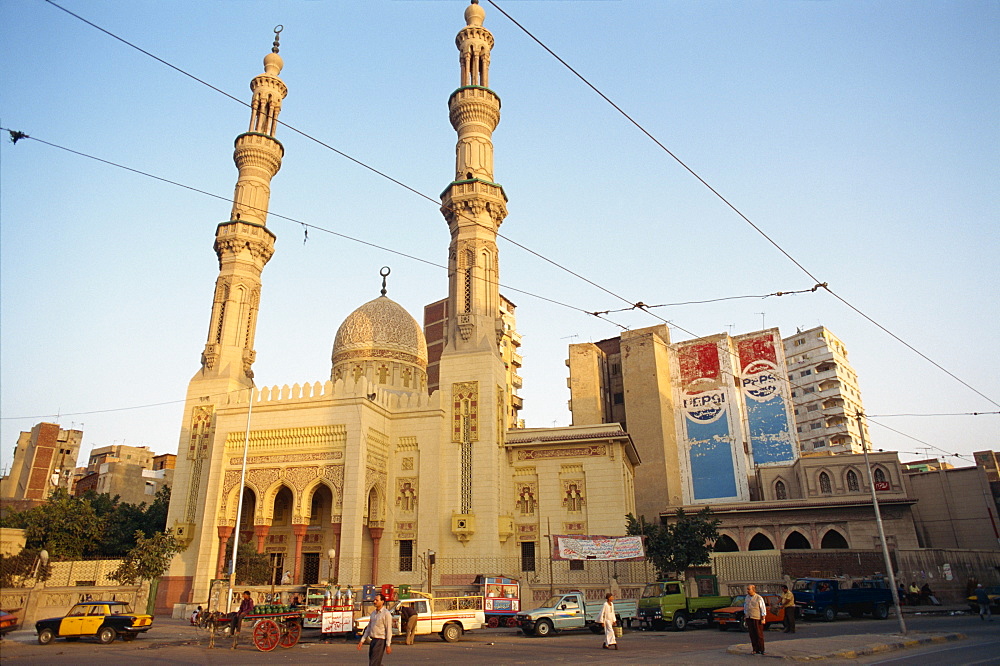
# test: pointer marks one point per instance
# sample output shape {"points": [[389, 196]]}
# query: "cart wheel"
{"points": [[512, 622], [266, 635], [290, 636], [493, 622]]}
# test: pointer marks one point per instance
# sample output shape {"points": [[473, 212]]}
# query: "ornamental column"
{"points": [[300, 534], [225, 531], [261, 532]]}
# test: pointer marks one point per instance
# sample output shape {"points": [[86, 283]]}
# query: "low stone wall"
{"points": [[42, 601], [948, 572]]}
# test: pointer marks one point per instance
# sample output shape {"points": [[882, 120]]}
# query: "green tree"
{"points": [[252, 568], [67, 527], [147, 561], [685, 542]]}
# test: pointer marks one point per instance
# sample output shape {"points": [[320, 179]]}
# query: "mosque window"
{"points": [[405, 555], [879, 475], [852, 481], [824, 483], [527, 556], [779, 490], [383, 373]]}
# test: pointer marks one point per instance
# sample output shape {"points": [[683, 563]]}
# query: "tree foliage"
{"points": [[674, 547], [90, 526], [148, 559], [252, 568]]}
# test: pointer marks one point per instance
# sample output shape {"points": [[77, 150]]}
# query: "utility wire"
{"points": [[885, 416], [19, 136], [739, 212], [636, 305]]}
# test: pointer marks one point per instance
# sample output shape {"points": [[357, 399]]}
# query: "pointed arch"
{"points": [[796, 541], [833, 539], [780, 489], [760, 541], [879, 474], [375, 504], [825, 485], [726, 544], [851, 481]]}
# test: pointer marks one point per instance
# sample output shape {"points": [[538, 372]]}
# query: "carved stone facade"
{"points": [[372, 463]]}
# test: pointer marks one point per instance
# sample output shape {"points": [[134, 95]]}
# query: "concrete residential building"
{"points": [[704, 414], [956, 507], [44, 460], [134, 455], [825, 392]]}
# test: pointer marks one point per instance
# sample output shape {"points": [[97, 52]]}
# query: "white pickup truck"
{"points": [[450, 617]]}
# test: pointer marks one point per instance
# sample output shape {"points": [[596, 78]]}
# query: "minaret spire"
{"points": [[244, 244], [473, 204]]}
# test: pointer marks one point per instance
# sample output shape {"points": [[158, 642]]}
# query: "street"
{"points": [[174, 642]]}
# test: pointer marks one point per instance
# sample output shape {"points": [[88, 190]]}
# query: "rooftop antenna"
{"points": [[567, 337], [761, 319]]}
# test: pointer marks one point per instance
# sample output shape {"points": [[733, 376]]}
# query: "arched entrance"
{"points": [[760, 541], [795, 541], [833, 539], [726, 544]]}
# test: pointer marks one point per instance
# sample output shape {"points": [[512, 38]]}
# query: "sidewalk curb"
{"points": [[874, 648]]}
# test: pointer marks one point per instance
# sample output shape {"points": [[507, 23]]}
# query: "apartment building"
{"points": [[825, 393]]}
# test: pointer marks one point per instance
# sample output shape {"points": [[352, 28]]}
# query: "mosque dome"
{"points": [[380, 330]]}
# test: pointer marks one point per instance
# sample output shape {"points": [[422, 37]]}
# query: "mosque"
{"points": [[412, 444]]}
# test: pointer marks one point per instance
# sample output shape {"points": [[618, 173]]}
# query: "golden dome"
{"points": [[380, 329]]}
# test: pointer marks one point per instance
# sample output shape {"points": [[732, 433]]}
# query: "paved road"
{"points": [[172, 642]]}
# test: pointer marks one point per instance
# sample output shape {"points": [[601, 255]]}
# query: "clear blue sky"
{"points": [[862, 136]]}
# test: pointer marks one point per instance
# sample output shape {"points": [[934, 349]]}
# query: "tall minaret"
{"points": [[473, 377], [473, 204], [243, 245]]}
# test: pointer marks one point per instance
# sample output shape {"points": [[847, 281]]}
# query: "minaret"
{"points": [[243, 245], [473, 378], [473, 204]]}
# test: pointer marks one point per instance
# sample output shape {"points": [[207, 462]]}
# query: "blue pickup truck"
{"points": [[826, 597]]}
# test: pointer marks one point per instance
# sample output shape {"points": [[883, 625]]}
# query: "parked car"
{"points": [[105, 620], [8, 622], [448, 617], [826, 597], [733, 616], [571, 611], [666, 604]]}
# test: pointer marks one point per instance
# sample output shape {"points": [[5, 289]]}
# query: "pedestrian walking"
{"points": [[755, 610], [408, 621], [607, 620], [379, 630], [788, 603], [983, 600]]}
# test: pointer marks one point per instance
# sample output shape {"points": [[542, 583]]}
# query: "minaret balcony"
{"points": [[474, 187]]}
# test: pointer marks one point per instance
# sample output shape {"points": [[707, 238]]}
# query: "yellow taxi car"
{"points": [[105, 620]]}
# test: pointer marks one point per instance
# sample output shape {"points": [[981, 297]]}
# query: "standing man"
{"points": [[607, 619], [755, 610], [983, 600], [788, 603], [379, 630]]}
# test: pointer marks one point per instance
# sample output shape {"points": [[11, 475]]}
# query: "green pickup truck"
{"points": [[665, 603]]}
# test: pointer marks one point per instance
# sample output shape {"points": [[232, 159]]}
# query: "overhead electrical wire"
{"points": [[19, 136], [636, 305], [632, 304], [739, 212]]}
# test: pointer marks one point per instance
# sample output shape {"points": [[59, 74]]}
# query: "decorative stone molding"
{"points": [[314, 437]]}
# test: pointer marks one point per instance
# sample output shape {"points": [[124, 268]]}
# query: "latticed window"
{"points": [[406, 555], [852, 481], [576, 565], [824, 483], [779, 490], [527, 556], [879, 475]]}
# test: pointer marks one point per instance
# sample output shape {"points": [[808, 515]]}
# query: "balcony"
{"points": [[516, 360], [516, 402]]}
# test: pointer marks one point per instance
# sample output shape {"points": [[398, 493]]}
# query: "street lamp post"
{"points": [[332, 577], [881, 530]]}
